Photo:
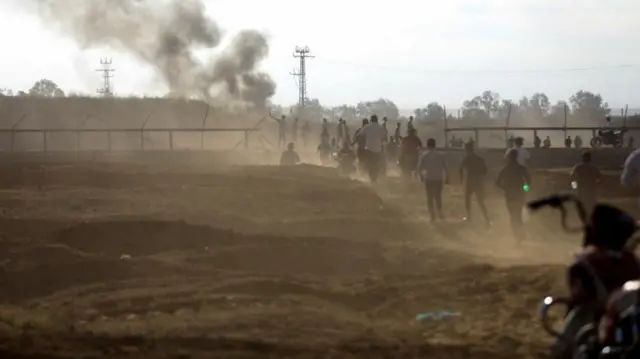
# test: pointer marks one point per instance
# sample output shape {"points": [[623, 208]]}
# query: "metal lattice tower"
{"points": [[302, 53], [107, 75]]}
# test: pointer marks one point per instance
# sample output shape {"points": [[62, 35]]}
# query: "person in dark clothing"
{"points": [[537, 142], [512, 179], [568, 142], [324, 149], [290, 156], [396, 132], [346, 159], [409, 154], [360, 142], [340, 131], [475, 168], [585, 178], [595, 279], [325, 130]]}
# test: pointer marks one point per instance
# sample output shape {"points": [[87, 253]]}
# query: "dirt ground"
{"points": [[150, 260]]}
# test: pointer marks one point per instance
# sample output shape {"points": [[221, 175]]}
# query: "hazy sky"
{"points": [[403, 50]]}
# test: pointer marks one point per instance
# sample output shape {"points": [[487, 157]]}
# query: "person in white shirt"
{"points": [[432, 169], [374, 135], [523, 154], [630, 177]]}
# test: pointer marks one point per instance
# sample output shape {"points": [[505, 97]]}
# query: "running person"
{"points": [[475, 168], [523, 154], [374, 137], [360, 143], [586, 176], [409, 154], [433, 173], [511, 179]]}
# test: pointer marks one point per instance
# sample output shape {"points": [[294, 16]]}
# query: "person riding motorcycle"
{"points": [[597, 279], [346, 159]]}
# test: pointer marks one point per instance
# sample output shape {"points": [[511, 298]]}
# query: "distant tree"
{"points": [[507, 108], [22, 94], [472, 109], [431, 113], [381, 107], [313, 111], [589, 106], [481, 107], [46, 88], [490, 102], [6, 92], [540, 103], [557, 111], [535, 107]]}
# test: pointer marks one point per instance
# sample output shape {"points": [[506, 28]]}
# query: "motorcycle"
{"points": [[585, 343], [346, 162], [608, 136]]}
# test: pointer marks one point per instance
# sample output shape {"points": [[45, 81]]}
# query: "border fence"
{"points": [[506, 128], [108, 134]]}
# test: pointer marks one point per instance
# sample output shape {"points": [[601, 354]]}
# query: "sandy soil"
{"points": [[154, 261]]}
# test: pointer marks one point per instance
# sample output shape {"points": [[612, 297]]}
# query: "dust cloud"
{"points": [[164, 35]]}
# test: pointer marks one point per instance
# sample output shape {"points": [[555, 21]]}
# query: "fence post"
{"points": [[171, 140], [506, 127], [44, 138], [446, 128], [13, 140], [109, 141], [246, 139], [565, 120], [142, 140]]}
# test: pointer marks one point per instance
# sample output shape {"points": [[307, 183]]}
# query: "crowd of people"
{"points": [[603, 276], [371, 150]]}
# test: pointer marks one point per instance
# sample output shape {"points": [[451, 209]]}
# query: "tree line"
{"points": [[488, 106], [485, 107]]}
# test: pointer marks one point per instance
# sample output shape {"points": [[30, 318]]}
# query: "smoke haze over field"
{"points": [[164, 34]]}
